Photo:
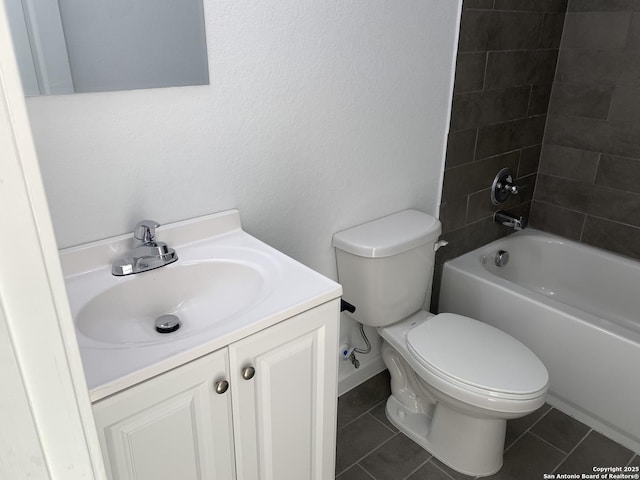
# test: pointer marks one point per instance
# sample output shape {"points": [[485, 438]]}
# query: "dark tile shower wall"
{"points": [[506, 62], [588, 185]]}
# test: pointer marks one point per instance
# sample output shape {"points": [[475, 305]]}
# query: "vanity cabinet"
{"points": [[275, 419], [172, 426]]}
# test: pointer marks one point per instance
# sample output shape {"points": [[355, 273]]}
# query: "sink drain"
{"points": [[167, 324]]}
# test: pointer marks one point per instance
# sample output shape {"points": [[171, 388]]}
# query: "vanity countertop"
{"points": [[115, 356]]}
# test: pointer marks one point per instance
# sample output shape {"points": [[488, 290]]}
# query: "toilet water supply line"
{"points": [[349, 353]]}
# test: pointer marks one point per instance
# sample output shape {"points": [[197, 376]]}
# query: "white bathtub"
{"points": [[576, 307]]}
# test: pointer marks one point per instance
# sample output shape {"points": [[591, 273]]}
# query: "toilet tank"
{"points": [[386, 266]]}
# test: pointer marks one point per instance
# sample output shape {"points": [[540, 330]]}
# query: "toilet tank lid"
{"points": [[389, 235]]}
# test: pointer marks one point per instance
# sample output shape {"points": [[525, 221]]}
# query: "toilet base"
{"points": [[470, 445]]}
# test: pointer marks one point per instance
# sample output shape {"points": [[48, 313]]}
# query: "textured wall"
{"points": [[319, 116], [589, 178], [505, 68]]}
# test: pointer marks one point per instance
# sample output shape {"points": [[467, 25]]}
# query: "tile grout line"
{"points": [[361, 415], [380, 421], [438, 467], [361, 468], [572, 450], [365, 471], [417, 468], [551, 444], [517, 439], [357, 462]]}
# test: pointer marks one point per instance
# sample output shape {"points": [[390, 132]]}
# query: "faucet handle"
{"points": [[509, 186], [145, 231], [503, 186]]}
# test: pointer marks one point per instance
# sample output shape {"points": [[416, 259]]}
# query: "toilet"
{"points": [[455, 381]]}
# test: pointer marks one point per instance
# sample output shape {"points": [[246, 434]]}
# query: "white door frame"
{"points": [[45, 402]]}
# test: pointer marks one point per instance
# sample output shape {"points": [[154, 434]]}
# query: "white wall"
{"points": [[320, 115]]}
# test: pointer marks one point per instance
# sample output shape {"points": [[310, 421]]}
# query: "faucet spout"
{"points": [[509, 220], [147, 254]]}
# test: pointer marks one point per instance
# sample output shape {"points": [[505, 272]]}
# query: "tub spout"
{"points": [[509, 220]]}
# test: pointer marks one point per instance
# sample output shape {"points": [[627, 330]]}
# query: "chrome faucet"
{"points": [[509, 220], [147, 254]]}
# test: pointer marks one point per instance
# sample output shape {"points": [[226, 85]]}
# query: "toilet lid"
{"points": [[476, 354]]}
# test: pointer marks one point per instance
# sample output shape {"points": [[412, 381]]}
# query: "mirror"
{"points": [[73, 46]]}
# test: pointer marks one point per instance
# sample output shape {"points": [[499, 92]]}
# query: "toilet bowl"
{"points": [[454, 380], [454, 383]]}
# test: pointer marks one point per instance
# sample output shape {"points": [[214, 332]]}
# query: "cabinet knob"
{"points": [[248, 373], [222, 386]]}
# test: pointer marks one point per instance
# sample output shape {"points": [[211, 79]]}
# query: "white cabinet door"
{"points": [[285, 414], [174, 426]]}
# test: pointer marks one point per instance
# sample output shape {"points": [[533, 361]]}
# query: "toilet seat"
{"points": [[478, 357], [461, 388]]}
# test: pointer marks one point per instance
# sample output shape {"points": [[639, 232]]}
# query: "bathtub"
{"points": [[576, 307]]}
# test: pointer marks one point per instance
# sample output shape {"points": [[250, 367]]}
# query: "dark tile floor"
{"points": [[547, 441]]}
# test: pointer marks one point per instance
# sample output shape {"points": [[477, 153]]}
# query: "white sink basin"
{"points": [[224, 286], [211, 285], [200, 294]]}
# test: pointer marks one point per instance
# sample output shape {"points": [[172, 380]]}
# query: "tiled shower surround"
{"points": [[588, 186], [506, 62], [575, 148]]}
